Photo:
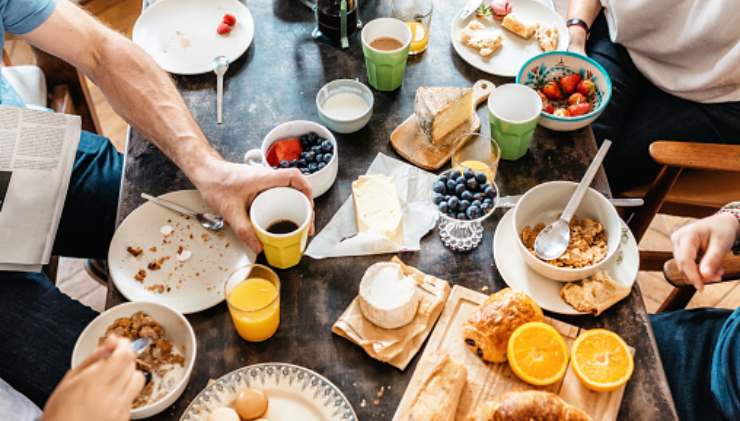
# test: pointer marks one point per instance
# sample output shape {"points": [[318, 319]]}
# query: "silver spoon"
{"points": [[511, 201], [553, 240], [140, 345], [220, 66], [209, 221]]}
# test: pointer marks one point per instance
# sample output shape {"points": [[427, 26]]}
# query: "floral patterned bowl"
{"points": [[553, 65]]}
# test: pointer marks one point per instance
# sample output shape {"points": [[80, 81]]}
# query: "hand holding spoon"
{"points": [[553, 240]]}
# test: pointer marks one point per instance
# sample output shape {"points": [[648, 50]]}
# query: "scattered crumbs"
{"points": [[388, 387], [197, 273], [191, 236], [381, 392], [158, 288], [166, 230], [183, 255], [153, 249], [220, 234], [140, 275], [220, 255], [363, 403], [205, 237], [484, 288], [227, 245], [169, 221], [187, 217], [157, 264], [354, 384], [134, 251], [376, 402]]}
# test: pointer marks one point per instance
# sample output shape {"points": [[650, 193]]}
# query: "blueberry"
{"points": [[327, 157], [454, 202], [460, 180], [466, 195], [463, 205], [481, 178], [475, 203], [326, 146], [313, 137], [303, 155], [284, 164], [487, 200], [316, 150], [468, 173], [321, 165], [438, 198], [490, 192], [305, 170], [461, 215], [312, 166], [472, 184], [486, 206], [451, 185], [442, 178], [454, 175], [439, 187], [459, 189], [478, 196], [473, 212], [301, 163], [443, 207], [310, 156]]}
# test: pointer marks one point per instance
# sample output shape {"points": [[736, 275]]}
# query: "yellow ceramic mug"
{"points": [[281, 217]]}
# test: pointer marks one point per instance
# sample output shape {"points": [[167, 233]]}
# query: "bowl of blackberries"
{"points": [[304, 145], [464, 198]]}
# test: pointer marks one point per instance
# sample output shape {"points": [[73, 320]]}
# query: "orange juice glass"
{"points": [[418, 16], [253, 297]]}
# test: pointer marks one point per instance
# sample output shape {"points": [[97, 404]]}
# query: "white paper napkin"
{"points": [[414, 186]]}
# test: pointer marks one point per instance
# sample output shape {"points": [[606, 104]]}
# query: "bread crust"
{"points": [[531, 405]]}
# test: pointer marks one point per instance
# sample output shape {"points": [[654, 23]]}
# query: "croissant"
{"points": [[532, 405], [488, 329]]}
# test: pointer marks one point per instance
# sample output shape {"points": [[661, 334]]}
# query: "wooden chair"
{"points": [[696, 180]]}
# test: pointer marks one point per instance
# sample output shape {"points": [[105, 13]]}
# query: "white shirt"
{"points": [[16, 407], [688, 48]]}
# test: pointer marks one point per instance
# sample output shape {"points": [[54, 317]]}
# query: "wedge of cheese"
{"points": [[388, 298], [377, 207], [439, 111]]}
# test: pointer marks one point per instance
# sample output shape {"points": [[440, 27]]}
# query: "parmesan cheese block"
{"points": [[377, 207], [441, 110], [388, 298]]}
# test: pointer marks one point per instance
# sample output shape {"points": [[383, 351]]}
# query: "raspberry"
{"points": [[223, 29], [229, 19]]}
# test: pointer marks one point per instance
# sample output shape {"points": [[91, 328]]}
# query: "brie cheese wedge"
{"points": [[387, 298]]}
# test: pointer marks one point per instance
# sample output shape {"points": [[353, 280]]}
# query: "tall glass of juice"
{"points": [[418, 16], [253, 298]]}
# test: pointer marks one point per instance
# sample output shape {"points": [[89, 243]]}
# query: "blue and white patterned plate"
{"points": [[294, 393]]}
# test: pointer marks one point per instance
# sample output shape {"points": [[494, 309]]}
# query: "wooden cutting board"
{"points": [[413, 145], [486, 381]]}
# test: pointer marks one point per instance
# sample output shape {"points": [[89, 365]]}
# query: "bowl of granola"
{"points": [[595, 230], [166, 364]]}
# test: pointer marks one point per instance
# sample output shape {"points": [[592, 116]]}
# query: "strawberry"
{"points": [[223, 29], [579, 109], [586, 87], [284, 150], [577, 98], [568, 83], [229, 19], [549, 108], [561, 112], [552, 91]]}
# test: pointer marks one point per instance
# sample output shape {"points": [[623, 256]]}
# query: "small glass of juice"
{"points": [[418, 16], [479, 153], [253, 297]]}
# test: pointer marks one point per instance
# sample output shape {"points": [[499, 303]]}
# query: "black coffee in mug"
{"points": [[283, 226]]}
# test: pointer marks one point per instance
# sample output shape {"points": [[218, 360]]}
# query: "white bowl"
{"points": [[341, 124], [177, 329], [544, 203], [321, 180], [554, 64]]}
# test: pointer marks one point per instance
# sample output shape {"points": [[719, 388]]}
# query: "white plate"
{"points": [[546, 292], [181, 34], [514, 51], [294, 393], [195, 284]]}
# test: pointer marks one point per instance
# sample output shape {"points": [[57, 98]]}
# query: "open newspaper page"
{"points": [[37, 152]]}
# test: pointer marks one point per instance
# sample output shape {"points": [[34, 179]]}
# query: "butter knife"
{"points": [[469, 8]]}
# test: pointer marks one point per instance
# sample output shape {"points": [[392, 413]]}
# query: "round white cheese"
{"points": [[387, 297]]}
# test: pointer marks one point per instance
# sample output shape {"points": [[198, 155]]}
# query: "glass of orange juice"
{"points": [[418, 16], [253, 297], [479, 153]]}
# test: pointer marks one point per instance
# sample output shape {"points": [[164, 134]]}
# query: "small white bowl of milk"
{"points": [[345, 105]]}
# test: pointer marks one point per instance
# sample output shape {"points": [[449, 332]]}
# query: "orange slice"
{"points": [[537, 354], [602, 361]]}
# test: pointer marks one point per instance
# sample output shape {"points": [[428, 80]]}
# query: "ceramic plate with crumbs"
{"points": [[159, 256]]}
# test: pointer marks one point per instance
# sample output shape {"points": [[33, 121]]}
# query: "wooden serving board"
{"points": [[413, 145], [485, 380]]}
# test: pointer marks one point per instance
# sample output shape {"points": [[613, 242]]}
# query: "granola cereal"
{"points": [[588, 243]]}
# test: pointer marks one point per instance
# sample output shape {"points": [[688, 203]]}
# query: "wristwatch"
{"points": [[578, 22]]}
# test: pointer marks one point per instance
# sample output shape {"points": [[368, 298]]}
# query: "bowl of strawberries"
{"points": [[574, 88]]}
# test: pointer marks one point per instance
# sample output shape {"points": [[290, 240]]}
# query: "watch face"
{"points": [[4, 184]]}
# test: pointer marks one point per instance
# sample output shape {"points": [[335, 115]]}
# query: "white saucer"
{"points": [[194, 284], [546, 292]]}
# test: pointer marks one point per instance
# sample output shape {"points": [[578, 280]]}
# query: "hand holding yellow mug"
{"points": [[282, 217]]}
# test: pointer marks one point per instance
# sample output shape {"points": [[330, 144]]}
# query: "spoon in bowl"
{"points": [[553, 240]]}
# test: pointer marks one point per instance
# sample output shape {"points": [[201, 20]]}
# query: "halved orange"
{"points": [[601, 360], [537, 353]]}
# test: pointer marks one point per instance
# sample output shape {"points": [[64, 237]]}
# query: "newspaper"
{"points": [[37, 152]]}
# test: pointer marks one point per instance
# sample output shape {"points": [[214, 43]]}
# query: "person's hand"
{"points": [[102, 388], [230, 188], [712, 236], [577, 40]]}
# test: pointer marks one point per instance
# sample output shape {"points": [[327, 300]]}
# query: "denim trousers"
{"points": [[38, 323], [639, 113]]}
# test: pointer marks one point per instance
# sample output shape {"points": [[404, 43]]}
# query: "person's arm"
{"points": [[586, 10], [699, 247], [145, 96]]}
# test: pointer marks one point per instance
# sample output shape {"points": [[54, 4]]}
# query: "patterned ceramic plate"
{"points": [[294, 393]]}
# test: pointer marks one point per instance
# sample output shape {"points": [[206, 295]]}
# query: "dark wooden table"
{"points": [[276, 81]]}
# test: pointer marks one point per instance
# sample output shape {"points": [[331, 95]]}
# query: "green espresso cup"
{"points": [[386, 65], [513, 113]]}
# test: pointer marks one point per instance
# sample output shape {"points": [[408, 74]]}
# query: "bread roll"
{"points": [[488, 329], [439, 395], [532, 405]]}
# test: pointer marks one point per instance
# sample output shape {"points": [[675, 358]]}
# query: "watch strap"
{"points": [[578, 22]]}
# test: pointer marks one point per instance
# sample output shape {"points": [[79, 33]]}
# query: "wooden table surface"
{"points": [[276, 81]]}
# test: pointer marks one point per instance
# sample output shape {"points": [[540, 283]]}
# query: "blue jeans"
{"points": [[38, 324], [639, 113]]}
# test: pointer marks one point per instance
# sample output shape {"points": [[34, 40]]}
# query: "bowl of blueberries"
{"points": [[464, 199], [305, 145]]}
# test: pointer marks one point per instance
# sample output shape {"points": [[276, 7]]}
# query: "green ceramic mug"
{"points": [[513, 113], [385, 68]]}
